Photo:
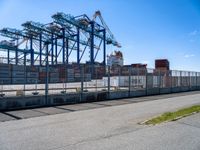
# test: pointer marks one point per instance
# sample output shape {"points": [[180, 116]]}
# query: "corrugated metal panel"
{"points": [[70, 79], [18, 80], [54, 80], [5, 80], [32, 74], [77, 79], [42, 69], [77, 75], [54, 75], [6, 67], [17, 68], [32, 69], [53, 69], [5, 74], [31, 80], [18, 74]]}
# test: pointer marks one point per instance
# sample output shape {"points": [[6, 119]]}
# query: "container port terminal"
{"points": [[38, 70]]}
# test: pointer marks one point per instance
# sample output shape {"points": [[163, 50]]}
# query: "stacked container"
{"points": [[70, 74], [5, 74], [18, 74], [115, 70], [100, 72], [125, 70], [77, 72], [42, 74], [162, 64], [32, 74], [53, 75], [87, 77], [62, 73]]}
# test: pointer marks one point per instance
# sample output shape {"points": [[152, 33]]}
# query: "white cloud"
{"points": [[189, 55]]}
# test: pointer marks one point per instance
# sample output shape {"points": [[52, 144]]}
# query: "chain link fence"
{"points": [[26, 81]]}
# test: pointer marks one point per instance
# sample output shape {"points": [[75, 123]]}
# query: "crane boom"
{"points": [[111, 36]]}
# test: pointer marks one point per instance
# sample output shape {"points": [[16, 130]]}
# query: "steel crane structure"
{"points": [[54, 42]]}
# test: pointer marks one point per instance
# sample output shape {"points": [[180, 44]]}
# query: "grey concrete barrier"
{"points": [[165, 90], [21, 102]]}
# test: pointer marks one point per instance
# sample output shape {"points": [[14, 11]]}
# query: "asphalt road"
{"points": [[105, 128], [37, 112]]}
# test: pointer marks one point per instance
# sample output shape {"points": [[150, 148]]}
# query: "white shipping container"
{"points": [[135, 81]]}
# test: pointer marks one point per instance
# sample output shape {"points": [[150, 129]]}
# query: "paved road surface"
{"points": [[30, 113], [105, 128]]}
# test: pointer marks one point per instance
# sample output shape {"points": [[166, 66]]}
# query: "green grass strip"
{"points": [[172, 116]]}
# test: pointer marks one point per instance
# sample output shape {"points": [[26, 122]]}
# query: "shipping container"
{"points": [[54, 75], [18, 68], [32, 74], [5, 74], [162, 63], [18, 74], [32, 81], [54, 80], [5, 66], [18, 80], [32, 68], [5, 81], [42, 69], [53, 69]]}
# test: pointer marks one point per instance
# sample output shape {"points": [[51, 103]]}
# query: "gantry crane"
{"points": [[65, 34]]}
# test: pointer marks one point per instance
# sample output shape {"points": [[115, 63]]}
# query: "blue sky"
{"points": [[146, 29]]}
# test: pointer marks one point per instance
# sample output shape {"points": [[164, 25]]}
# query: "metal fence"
{"points": [[48, 80]]}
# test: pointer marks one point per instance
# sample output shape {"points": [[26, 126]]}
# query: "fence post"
{"points": [[82, 81], [171, 81], [159, 80], [25, 76], [146, 81], [189, 82], [196, 81], [47, 77], [66, 76], [119, 78], [129, 81], [109, 81], [180, 79]]}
